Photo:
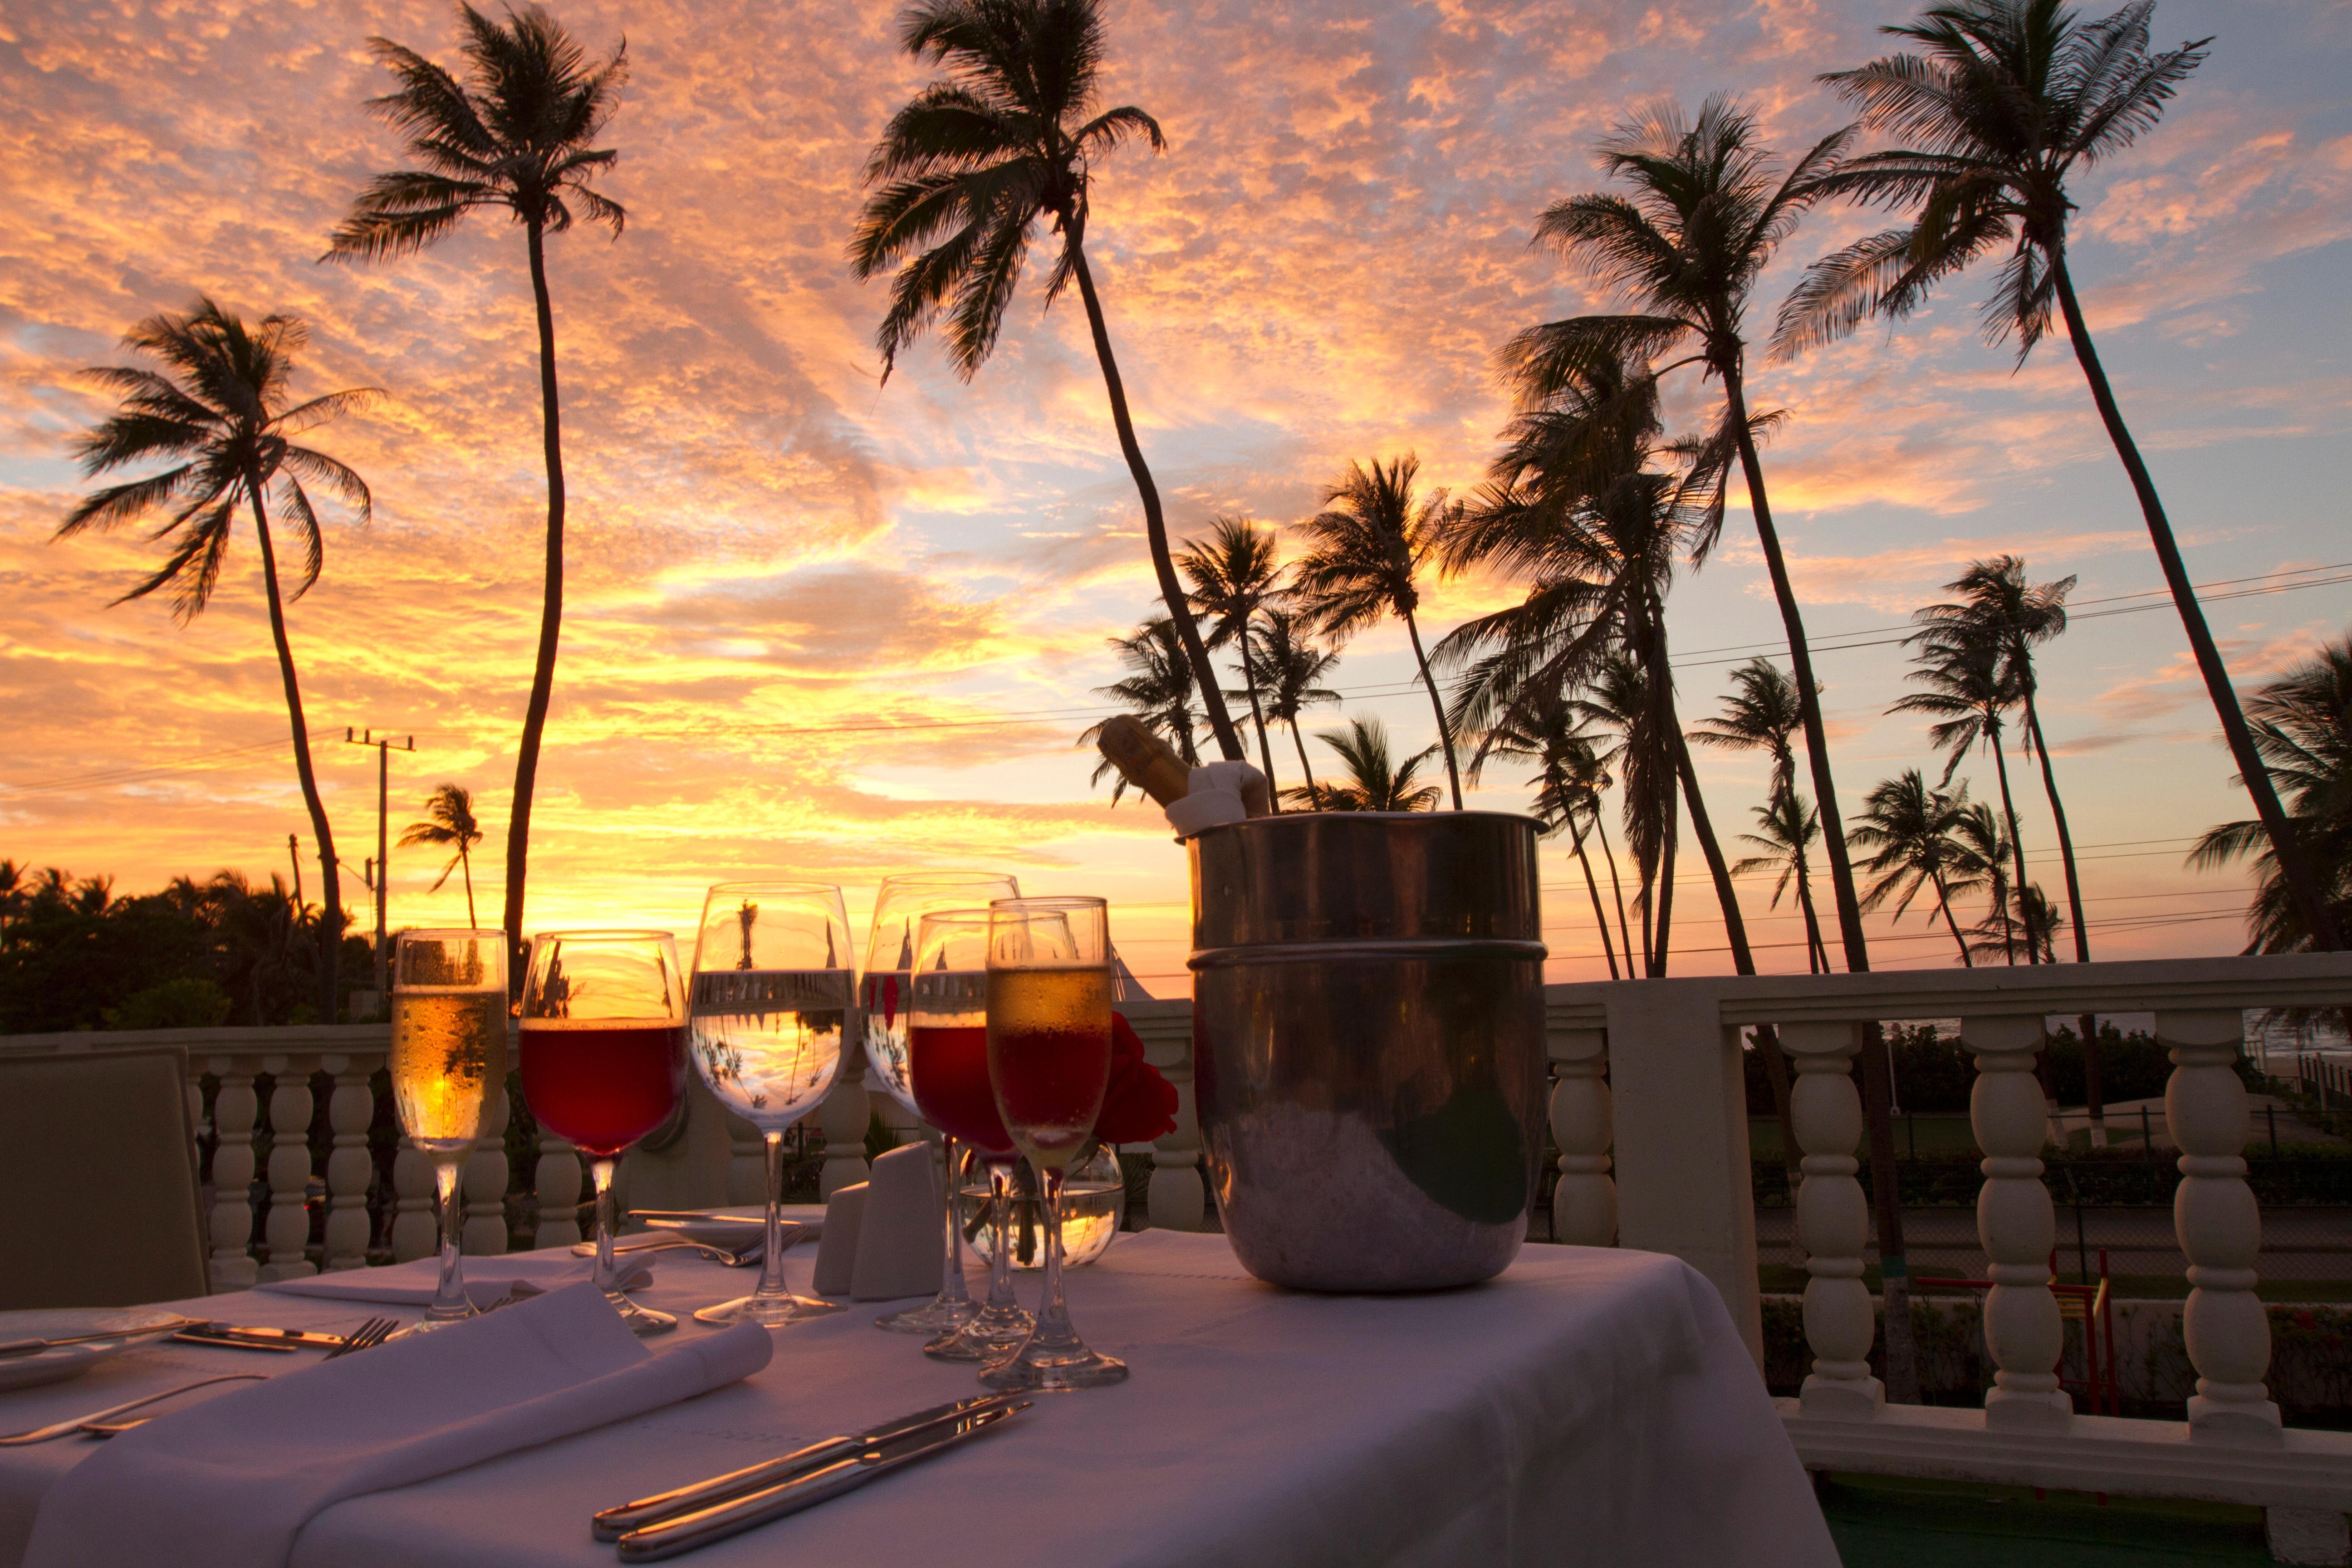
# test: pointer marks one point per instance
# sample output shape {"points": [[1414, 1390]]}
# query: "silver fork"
{"points": [[367, 1336], [372, 1333], [74, 1424]]}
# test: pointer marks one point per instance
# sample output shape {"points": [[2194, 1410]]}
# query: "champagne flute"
{"points": [[898, 909], [449, 1063], [768, 1015], [603, 1061], [947, 1051], [1049, 992]]}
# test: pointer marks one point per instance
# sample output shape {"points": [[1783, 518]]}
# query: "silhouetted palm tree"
{"points": [[1783, 829], [1990, 854], [1970, 683], [966, 170], [1375, 782], [221, 415], [449, 823], [1548, 732], [2006, 102], [13, 894], [1235, 579], [1619, 698], [1702, 221], [2303, 722], [1914, 832], [516, 134], [1366, 548], [1762, 713], [1160, 693], [1289, 667]]}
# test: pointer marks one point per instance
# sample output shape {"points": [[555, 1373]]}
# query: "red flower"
{"points": [[1138, 1105]]}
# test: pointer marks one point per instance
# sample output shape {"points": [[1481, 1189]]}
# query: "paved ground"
{"points": [[1880, 1523]]}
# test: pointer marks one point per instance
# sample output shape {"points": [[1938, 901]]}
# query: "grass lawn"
{"points": [[1884, 1522]]}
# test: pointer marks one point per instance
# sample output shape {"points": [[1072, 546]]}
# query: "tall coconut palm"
{"points": [[963, 173], [221, 415], [1376, 781], [1160, 693], [1366, 549], [449, 824], [2005, 102], [515, 133], [1762, 713], [1914, 833], [1551, 733], [1288, 666], [1702, 218], [2303, 722], [1784, 827], [1988, 849], [1235, 579], [1969, 684], [1618, 699]]}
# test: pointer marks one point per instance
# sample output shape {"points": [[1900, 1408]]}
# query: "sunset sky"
{"points": [[824, 627]]}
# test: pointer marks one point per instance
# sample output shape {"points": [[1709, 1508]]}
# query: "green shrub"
{"points": [[190, 1001]]}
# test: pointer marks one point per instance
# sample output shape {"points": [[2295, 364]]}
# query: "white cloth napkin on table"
{"points": [[231, 1482], [487, 1279]]}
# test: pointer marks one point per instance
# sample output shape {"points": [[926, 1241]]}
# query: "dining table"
{"points": [[1588, 1405]]}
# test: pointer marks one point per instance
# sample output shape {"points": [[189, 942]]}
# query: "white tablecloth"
{"points": [[1587, 1407]]}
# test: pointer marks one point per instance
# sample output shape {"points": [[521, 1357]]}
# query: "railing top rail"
{"points": [[243, 1039]]}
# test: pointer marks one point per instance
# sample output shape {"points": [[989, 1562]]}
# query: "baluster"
{"points": [[235, 1110], [1584, 1200], [843, 1117], [1833, 1221], [555, 1188], [2016, 1225], [746, 1164], [414, 1231], [1177, 1198], [2220, 1229], [485, 1183], [349, 1110], [287, 1228]]}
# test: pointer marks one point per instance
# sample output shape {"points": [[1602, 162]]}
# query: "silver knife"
{"points": [[691, 1531], [614, 1522]]}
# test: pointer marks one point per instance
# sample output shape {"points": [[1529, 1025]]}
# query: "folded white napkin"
{"points": [[230, 1483], [487, 1279]]}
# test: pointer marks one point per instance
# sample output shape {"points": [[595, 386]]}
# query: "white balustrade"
{"points": [[234, 1109], [1177, 1198], [1833, 1220], [1584, 1199], [416, 1230], [746, 1164], [2016, 1224], [2226, 1330], [287, 1227], [555, 1184], [485, 1183], [350, 1108], [843, 1117]]}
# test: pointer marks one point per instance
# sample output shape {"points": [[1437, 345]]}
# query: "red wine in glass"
{"points": [[601, 1085], [949, 1069]]}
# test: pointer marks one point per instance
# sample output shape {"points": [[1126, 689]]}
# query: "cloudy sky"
{"points": [[826, 627]]}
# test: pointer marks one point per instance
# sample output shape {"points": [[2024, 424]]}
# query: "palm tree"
{"points": [[1914, 832], [1550, 732], [1161, 692], [1367, 546], [517, 133], [1784, 827], [13, 894], [221, 415], [2303, 722], [1703, 219], [1989, 853], [1234, 579], [1375, 782], [2008, 101], [1619, 698], [966, 169], [449, 823], [1289, 667], [1762, 713], [1970, 683]]}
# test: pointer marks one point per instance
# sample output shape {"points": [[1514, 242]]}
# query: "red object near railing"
{"points": [[2089, 1305]]}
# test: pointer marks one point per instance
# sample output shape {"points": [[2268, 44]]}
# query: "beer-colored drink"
{"points": [[448, 1057], [1049, 1057]]}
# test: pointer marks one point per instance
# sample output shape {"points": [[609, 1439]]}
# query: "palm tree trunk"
{"points": [[1669, 848], [2093, 1102], [2016, 854], [550, 618], [1616, 893], [1599, 917], [1944, 907], [2256, 778], [330, 912], [1257, 718], [1304, 767], [1155, 524], [1815, 950], [1444, 731], [466, 864]]}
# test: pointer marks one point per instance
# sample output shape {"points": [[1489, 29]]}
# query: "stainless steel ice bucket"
{"points": [[1367, 1033]]}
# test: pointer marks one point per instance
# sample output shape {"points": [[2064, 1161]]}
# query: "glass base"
{"points": [[1037, 1368], [643, 1322], [768, 1312], [429, 1324], [990, 1336], [934, 1318]]}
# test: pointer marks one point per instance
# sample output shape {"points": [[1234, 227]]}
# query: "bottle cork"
{"points": [[1148, 762]]}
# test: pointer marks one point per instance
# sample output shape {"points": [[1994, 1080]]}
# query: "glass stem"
{"points": [[449, 1294], [772, 1259], [1000, 1221], [952, 1286], [1053, 1314], [608, 1274]]}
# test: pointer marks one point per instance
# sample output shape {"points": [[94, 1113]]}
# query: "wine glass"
{"points": [[603, 1061], [768, 1017], [1049, 992], [449, 1063], [947, 1051], [900, 906]]}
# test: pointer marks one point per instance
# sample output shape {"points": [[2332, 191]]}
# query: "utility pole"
{"points": [[294, 853], [377, 876]]}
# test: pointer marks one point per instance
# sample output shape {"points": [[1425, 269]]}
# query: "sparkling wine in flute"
{"points": [[769, 1041], [448, 1058], [602, 1083], [1049, 1057]]}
